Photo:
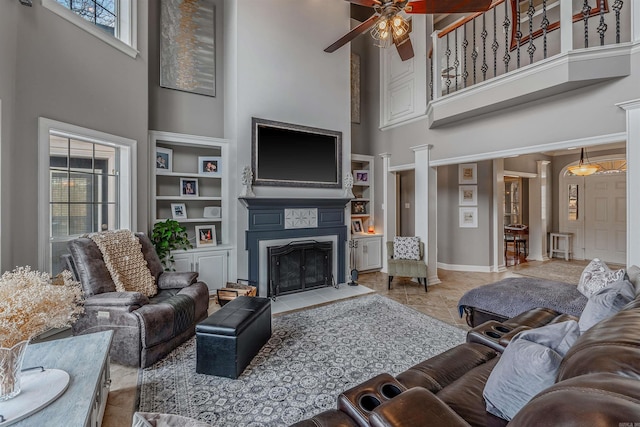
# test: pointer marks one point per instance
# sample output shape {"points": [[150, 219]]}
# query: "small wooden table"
{"points": [[233, 291], [556, 239]]}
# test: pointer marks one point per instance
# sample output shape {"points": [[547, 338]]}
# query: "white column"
{"points": [[633, 178], [498, 216], [388, 212], [566, 26], [539, 212], [635, 21], [426, 208]]}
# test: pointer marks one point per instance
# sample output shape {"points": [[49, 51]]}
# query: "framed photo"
{"points": [[356, 226], [468, 217], [178, 211], [209, 166], [188, 187], [212, 212], [468, 173], [164, 160], [205, 236], [468, 195], [358, 208], [361, 177]]}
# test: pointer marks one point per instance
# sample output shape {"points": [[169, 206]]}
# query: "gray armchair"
{"points": [[145, 329], [406, 267]]}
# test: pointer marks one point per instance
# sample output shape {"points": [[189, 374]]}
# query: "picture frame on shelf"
{"points": [[164, 160], [468, 195], [468, 173], [178, 211], [209, 165], [356, 226], [361, 177], [206, 236], [189, 187], [469, 217], [212, 212], [358, 208]]}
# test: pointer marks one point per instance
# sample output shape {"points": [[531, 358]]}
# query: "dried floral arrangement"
{"points": [[31, 303]]}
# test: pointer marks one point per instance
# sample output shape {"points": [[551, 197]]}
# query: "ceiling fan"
{"points": [[389, 26]]}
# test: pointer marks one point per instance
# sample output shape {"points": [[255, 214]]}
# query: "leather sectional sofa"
{"points": [[598, 382]]}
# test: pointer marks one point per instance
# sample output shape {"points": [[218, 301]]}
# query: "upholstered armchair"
{"points": [[406, 267], [145, 328]]}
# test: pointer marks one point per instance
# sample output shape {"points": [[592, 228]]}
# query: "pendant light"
{"points": [[583, 168]]}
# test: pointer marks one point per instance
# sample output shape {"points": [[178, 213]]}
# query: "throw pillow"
{"points": [[596, 275], [605, 303], [528, 365], [633, 274], [406, 248]]}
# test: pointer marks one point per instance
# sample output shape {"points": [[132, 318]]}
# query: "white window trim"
{"points": [[127, 40], [128, 186]]}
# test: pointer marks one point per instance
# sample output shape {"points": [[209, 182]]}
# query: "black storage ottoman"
{"points": [[227, 341]]}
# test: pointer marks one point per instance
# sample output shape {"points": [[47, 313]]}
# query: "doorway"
{"points": [[405, 208]]}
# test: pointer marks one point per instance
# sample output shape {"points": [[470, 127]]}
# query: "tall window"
{"points": [[112, 21], [89, 186], [102, 13]]}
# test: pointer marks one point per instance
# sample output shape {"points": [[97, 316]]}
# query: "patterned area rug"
{"points": [[559, 271], [312, 357]]}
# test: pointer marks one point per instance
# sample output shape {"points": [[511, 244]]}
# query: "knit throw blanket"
{"points": [[122, 254]]}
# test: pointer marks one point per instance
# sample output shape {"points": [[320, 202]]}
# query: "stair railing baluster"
{"points": [[545, 25], [456, 61], [531, 49], [617, 5], [474, 53], [518, 36], [447, 54], [506, 24], [484, 35], [602, 28], [586, 12], [465, 44]]}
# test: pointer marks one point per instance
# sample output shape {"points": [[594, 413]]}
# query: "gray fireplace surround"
{"points": [[282, 218]]}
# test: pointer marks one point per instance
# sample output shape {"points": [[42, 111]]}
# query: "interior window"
{"points": [[102, 13]]}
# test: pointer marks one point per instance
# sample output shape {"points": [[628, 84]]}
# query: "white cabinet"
{"points": [[362, 205], [211, 266], [368, 252]]}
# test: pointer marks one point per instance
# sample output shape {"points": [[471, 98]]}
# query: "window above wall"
{"points": [[112, 21]]}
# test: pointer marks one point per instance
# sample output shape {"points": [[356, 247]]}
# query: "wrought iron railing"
{"points": [[468, 52]]}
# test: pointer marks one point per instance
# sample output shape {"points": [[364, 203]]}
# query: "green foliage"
{"points": [[166, 237]]}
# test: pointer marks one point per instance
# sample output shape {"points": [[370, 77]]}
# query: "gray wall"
{"points": [[9, 15], [183, 112], [464, 246], [360, 131], [65, 74], [407, 196]]}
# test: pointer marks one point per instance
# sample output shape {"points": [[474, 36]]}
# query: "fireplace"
{"points": [[299, 266], [280, 222]]}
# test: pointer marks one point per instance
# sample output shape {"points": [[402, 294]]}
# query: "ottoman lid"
{"points": [[234, 317]]}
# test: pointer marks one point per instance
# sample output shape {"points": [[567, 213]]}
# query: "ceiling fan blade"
{"points": [[368, 3], [352, 34], [405, 49], [439, 6]]}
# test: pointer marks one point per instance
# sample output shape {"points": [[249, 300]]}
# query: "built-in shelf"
{"points": [[196, 220], [188, 198], [187, 175], [363, 190]]}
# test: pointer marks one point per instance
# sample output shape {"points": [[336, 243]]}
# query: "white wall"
{"points": [[283, 74], [65, 74]]}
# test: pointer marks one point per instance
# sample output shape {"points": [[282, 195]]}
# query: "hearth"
{"points": [[299, 266]]}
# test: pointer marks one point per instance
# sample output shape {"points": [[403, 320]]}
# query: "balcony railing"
{"points": [[514, 34]]}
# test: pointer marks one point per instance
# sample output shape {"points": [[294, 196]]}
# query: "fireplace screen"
{"points": [[299, 266]]}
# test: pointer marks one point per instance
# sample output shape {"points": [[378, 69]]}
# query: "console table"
{"points": [[86, 359], [556, 247]]}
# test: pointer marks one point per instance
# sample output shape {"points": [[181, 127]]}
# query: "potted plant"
{"points": [[167, 236]]}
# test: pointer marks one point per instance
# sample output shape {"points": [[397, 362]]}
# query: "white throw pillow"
{"points": [[406, 248], [605, 303], [528, 365], [596, 276], [634, 274]]}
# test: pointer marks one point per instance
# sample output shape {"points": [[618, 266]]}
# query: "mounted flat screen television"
{"points": [[284, 154]]}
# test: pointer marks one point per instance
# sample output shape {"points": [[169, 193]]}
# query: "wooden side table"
{"points": [[557, 247]]}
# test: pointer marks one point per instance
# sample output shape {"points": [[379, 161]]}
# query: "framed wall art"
{"points": [[361, 177], [209, 166], [468, 217], [178, 211], [356, 226], [468, 195], [468, 173], [188, 187], [164, 160]]}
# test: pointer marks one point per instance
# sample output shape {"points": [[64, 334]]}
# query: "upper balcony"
{"points": [[524, 50]]}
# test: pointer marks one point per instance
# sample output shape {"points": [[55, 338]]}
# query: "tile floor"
{"points": [[439, 302]]}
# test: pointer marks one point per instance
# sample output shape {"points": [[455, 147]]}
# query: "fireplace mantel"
{"points": [[318, 217]]}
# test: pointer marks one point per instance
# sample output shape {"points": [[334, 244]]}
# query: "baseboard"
{"points": [[470, 268]]}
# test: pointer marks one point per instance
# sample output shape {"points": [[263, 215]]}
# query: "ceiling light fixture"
{"points": [[390, 27], [583, 168]]}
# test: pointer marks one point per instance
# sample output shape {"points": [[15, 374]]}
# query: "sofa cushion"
{"points": [[633, 274], [597, 275], [406, 248], [605, 303], [528, 365]]}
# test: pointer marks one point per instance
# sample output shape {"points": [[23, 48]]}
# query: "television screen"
{"points": [[292, 155]]}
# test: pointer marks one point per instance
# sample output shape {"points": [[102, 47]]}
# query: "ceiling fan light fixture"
{"points": [[583, 168], [388, 28]]}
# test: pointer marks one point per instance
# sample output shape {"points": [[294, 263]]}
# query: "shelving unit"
{"points": [[368, 249], [183, 154]]}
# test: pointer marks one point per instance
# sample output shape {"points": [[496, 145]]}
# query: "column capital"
{"points": [[385, 155], [629, 105], [422, 147]]}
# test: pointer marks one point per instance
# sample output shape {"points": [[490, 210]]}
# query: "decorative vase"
{"points": [[10, 366]]}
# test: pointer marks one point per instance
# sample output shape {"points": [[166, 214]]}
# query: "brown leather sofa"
{"points": [[598, 383]]}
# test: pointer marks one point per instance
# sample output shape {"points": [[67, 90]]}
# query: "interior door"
{"points": [[605, 219]]}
